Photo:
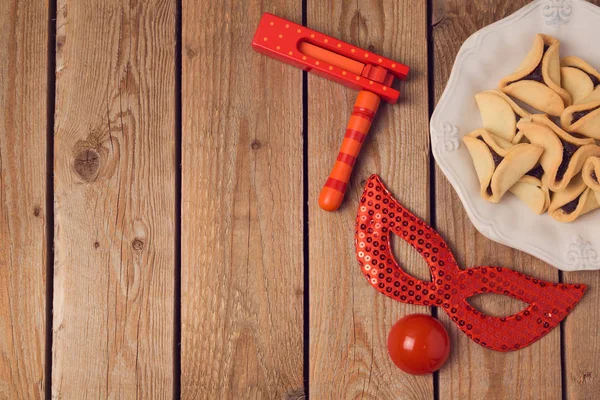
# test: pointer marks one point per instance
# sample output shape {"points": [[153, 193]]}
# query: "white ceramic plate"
{"points": [[486, 57]]}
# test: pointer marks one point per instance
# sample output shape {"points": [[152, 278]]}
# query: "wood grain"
{"points": [[472, 371], [242, 241], [114, 199], [349, 320], [23, 213]]}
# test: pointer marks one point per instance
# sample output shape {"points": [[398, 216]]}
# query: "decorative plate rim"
{"points": [[484, 225]]}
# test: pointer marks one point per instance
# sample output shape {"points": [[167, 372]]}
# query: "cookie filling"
{"points": [[497, 157], [568, 150], [571, 206], [595, 80], [578, 135], [580, 114], [497, 160], [536, 74], [536, 172]]}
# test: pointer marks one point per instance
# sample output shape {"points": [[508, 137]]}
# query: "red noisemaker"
{"points": [[341, 62], [380, 216]]}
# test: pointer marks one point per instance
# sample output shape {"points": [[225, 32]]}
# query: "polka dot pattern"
{"points": [[380, 216], [285, 40]]}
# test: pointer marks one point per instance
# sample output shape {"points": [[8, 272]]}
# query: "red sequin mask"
{"points": [[380, 216]]}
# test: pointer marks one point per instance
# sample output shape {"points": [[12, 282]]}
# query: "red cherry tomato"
{"points": [[418, 344]]}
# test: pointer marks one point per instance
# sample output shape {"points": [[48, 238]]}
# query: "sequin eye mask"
{"points": [[380, 216]]}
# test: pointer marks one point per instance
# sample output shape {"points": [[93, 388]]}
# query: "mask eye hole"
{"points": [[412, 262], [496, 305]]}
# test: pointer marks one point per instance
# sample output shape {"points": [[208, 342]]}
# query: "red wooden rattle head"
{"points": [[341, 62], [380, 216]]}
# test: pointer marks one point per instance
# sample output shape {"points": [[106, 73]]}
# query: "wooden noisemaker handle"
{"points": [[365, 109]]}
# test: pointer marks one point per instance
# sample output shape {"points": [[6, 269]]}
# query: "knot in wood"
{"points": [[358, 28], [37, 211], [96, 245], [438, 12], [190, 52], [296, 394], [255, 145], [137, 244], [87, 164]]}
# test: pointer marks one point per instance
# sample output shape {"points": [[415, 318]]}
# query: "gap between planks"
{"points": [[432, 175], [51, 107], [178, 197]]}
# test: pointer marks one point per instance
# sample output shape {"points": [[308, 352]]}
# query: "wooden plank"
{"points": [[473, 372], [23, 213], [114, 199], [349, 320], [242, 227], [581, 339]]}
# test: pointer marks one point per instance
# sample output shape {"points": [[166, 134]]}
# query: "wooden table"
{"points": [[159, 228]]}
